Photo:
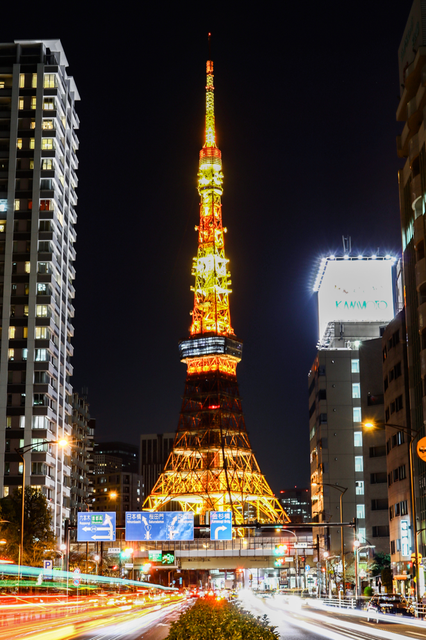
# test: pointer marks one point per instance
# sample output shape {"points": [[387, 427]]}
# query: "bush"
{"points": [[368, 591], [220, 620]]}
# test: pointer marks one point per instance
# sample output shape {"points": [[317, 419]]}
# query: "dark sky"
{"points": [[306, 95]]}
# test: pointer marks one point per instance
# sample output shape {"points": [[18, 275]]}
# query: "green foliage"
{"points": [[209, 619], [368, 591], [39, 541], [381, 561]]}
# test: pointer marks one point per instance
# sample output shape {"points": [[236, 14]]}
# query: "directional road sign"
{"points": [[159, 525], [96, 526], [220, 525], [307, 568]]}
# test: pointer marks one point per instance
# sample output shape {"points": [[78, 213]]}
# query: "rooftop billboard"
{"points": [[355, 291]]}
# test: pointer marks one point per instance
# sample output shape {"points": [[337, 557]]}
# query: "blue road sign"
{"points": [[96, 526], [47, 567], [159, 525], [220, 525]]}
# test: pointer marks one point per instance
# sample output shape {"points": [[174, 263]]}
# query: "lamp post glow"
{"points": [[342, 548], [22, 451], [412, 435]]}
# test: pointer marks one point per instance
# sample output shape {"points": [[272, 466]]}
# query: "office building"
{"points": [[115, 487], [412, 188], [127, 454], [296, 503], [155, 448], [38, 182], [348, 463]]}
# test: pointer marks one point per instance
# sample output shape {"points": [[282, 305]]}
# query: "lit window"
{"points": [[21, 426], [41, 333], [357, 414], [5, 491], [25, 332], [19, 143], [12, 332], [47, 165], [354, 366], [24, 354], [49, 104], [33, 102], [26, 310], [34, 81], [49, 81], [21, 467], [41, 355], [31, 164], [32, 124], [360, 511], [11, 354], [21, 80], [41, 311], [357, 438], [47, 124], [32, 143], [27, 267], [361, 534], [359, 463], [356, 389], [41, 287], [17, 205], [21, 103], [47, 143]]}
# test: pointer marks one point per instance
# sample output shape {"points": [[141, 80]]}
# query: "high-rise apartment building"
{"points": [[296, 503], [412, 189], [38, 182], [355, 302]]}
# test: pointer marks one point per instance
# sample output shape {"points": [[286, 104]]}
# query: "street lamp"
{"points": [[22, 451], [357, 549], [412, 435], [342, 550]]}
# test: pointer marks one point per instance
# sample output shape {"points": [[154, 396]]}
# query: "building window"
{"points": [[359, 463], [34, 81], [357, 438], [381, 531], [404, 508], [356, 389], [33, 102], [360, 511], [359, 487], [361, 534], [12, 332], [11, 354], [49, 80], [47, 164], [49, 104], [19, 143], [24, 354], [17, 205], [41, 310], [47, 143], [32, 143], [354, 366], [357, 414], [21, 80], [378, 478], [41, 355]]}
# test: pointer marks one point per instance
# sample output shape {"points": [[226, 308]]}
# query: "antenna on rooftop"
{"points": [[347, 244]]}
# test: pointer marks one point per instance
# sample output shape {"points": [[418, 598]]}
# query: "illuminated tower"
{"points": [[212, 465]]}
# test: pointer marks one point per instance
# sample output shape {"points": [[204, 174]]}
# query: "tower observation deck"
{"points": [[212, 466]]}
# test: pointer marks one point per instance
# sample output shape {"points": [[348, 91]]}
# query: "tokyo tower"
{"points": [[212, 466]]}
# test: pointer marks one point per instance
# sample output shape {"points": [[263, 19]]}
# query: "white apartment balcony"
{"points": [[416, 188]]}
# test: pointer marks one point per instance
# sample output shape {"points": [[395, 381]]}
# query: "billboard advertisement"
{"points": [[159, 525], [355, 291]]}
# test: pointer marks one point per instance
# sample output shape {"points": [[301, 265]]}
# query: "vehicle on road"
{"points": [[389, 604]]}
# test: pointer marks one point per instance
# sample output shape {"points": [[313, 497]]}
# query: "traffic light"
{"points": [[280, 550], [125, 554]]}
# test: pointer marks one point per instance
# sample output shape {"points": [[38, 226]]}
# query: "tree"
{"points": [[381, 566], [39, 540]]}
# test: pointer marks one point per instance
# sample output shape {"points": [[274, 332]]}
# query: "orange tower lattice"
{"points": [[212, 465]]}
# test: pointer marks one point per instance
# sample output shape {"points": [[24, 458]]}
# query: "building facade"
{"points": [[82, 465], [296, 503], [127, 453], [348, 462], [412, 190], [115, 489], [155, 449], [38, 182]]}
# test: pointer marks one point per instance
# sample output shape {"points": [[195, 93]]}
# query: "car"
{"points": [[392, 603]]}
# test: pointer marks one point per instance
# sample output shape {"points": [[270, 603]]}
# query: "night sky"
{"points": [[306, 95]]}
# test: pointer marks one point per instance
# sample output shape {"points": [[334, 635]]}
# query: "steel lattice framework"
{"points": [[212, 465]]}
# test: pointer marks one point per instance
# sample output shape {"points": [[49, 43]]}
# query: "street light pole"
{"points": [[342, 545], [412, 435], [22, 451]]}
